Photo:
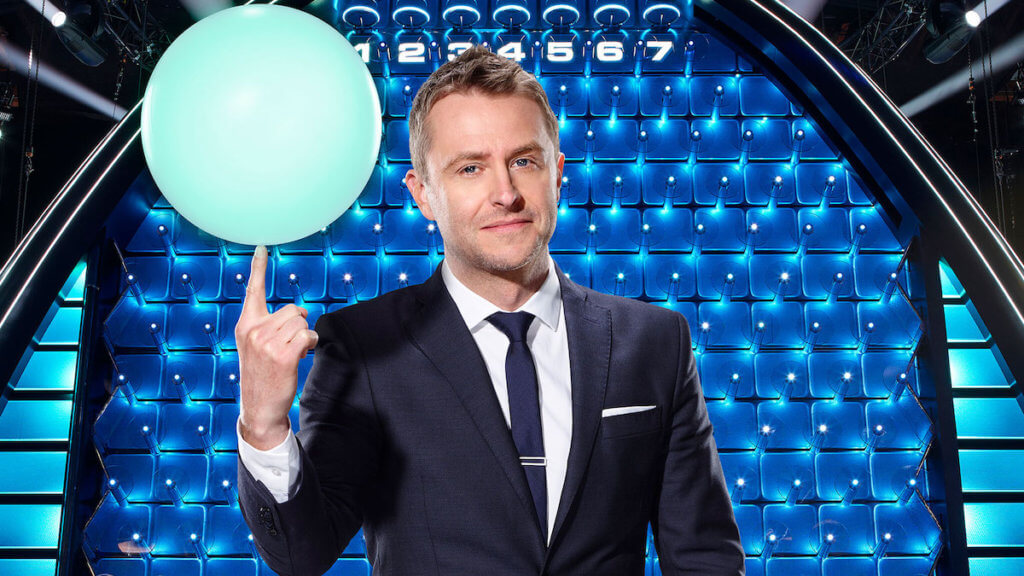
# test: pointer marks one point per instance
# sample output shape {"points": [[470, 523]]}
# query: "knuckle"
{"points": [[268, 349]]}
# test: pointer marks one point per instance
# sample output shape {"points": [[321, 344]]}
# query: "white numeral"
{"points": [[411, 52], [663, 48], [363, 49], [512, 51], [456, 48], [609, 51], [560, 51]]}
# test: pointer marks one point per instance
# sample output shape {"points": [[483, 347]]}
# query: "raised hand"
{"points": [[270, 347]]}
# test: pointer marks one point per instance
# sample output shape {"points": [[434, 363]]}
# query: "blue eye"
{"points": [[468, 167], [526, 159]]}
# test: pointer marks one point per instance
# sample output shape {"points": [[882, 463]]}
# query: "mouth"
{"points": [[508, 225]]}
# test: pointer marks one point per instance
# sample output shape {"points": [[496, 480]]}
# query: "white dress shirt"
{"points": [[278, 467]]}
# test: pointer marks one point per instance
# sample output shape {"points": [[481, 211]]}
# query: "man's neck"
{"points": [[506, 290]]}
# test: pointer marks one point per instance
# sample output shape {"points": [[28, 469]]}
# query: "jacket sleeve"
{"points": [[694, 528], [339, 442]]}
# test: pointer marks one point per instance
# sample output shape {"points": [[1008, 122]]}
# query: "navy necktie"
{"points": [[524, 407]]}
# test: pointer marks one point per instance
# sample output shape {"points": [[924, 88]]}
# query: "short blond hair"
{"points": [[477, 68]]}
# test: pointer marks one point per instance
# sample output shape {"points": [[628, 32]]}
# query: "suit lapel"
{"points": [[440, 333], [589, 332]]}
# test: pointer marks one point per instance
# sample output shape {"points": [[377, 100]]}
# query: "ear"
{"points": [[558, 181], [418, 190]]}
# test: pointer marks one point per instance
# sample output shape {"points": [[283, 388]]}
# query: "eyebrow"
{"points": [[532, 146]]}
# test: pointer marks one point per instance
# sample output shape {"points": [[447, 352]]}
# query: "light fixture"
{"points": [[79, 27], [949, 26]]}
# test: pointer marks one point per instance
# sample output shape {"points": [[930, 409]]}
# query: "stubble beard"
{"points": [[476, 258]]}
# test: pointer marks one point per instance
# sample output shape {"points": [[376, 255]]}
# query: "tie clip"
{"points": [[533, 460]]}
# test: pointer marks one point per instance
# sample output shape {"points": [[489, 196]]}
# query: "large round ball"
{"points": [[261, 124]]}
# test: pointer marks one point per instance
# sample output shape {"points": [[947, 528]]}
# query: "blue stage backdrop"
{"points": [[850, 304]]}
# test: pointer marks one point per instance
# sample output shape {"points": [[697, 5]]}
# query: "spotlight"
{"points": [[950, 28], [79, 27]]}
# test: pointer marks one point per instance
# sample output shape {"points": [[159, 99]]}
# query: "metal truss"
{"points": [[886, 35], [137, 33]]}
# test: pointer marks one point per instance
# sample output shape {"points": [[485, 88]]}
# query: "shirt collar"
{"points": [[545, 303]]}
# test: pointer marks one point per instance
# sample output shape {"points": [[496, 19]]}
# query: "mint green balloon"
{"points": [[261, 124]]}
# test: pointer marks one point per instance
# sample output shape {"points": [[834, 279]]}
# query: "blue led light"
{"points": [[414, 9], [607, 7], [526, 13], [566, 7], [464, 7], [367, 9], [668, 7]]}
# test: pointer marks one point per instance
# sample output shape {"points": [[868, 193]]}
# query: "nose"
{"points": [[503, 188]]}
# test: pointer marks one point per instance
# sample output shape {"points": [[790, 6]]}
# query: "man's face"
{"points": [[494, 180]]}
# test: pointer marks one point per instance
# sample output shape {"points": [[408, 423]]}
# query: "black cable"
{"points": [[972, 99], [993, 136], [30, 122], [19, 200], [145, 18]]}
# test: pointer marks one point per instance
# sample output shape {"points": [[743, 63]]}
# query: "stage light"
{"points": [[16, 59], [1000, 59], [984, 9], [79, 27], [973, 18], [950, 28]]}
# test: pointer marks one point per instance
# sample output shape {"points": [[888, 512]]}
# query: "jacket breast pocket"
{"points": [[631, 424]]}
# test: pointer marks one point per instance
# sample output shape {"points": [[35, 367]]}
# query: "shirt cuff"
{"points": [[277, 468]]}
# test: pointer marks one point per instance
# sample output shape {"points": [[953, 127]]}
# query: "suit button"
{"points": [[267, 520]]}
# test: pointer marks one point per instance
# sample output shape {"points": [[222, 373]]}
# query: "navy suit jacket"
{"points": [[401, 433]]}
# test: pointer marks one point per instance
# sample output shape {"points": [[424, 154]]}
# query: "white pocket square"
{"points": [[624, 410]]}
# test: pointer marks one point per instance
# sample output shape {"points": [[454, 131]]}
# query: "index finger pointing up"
{"points": [[256, 290]]}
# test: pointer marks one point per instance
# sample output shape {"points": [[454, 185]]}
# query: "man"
{"points": [[499, 418]]}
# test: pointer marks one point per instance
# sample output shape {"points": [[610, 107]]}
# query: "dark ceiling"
{"points": [[63, 131]]}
